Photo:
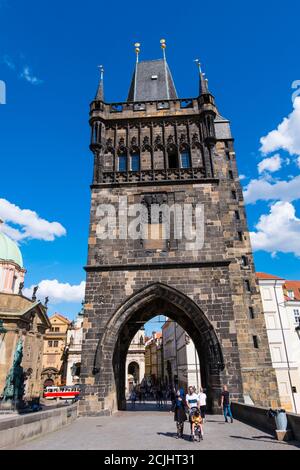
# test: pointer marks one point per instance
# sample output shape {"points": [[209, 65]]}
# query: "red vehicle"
{"points": [[62, 393]]}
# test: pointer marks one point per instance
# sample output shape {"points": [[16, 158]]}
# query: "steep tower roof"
{"points": [[152, 81]]}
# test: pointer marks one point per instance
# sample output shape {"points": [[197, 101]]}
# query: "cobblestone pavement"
{"points": [[153, 429]]}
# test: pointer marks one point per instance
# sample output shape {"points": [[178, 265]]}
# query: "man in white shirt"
{"points": [[202, 403], [192, 402]]}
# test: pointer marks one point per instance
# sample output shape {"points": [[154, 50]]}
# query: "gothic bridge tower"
{"points": [[153, 149]]}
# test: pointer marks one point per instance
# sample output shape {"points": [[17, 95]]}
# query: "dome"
{"points": [[9, 250]]}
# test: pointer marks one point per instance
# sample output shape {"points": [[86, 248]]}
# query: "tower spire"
{"points": [[100, 91], [137, 46], [163, 47], [203, 82]]}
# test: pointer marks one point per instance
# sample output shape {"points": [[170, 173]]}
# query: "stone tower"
{"points": [[157, 149]]}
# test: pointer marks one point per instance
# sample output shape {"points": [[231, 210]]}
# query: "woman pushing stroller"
{"points": [[193, 404]]}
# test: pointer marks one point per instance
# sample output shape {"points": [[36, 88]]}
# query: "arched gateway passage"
{"points": [[140, 308]]}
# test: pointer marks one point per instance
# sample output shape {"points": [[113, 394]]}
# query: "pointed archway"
{"points": [[156, 298]]}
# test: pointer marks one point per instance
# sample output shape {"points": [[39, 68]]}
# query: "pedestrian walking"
{"points": [[159, 398], [225, 403], [133, 398], [202, 397], [179, 414], [165, 396]]}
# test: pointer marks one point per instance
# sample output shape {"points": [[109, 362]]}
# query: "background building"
{"points": [[181, 361], [281, 306], [135, 361], [20, 318], [72, 353], [154, 358], [54, 369]]}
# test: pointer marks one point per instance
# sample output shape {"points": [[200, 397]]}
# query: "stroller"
{"points": [[195, 418]]}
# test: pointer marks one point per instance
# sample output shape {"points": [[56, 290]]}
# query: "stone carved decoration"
{"points": [[109, 146], [99, 258], [150, 199], [182, 139], [195, 141], [216, 361], [14, 384], [158, 143], [133, 142], [170, 139], [146, 147], [122, 149]]}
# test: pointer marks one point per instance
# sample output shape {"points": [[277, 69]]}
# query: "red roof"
{"points": [[57, 314], [267, 276], [292, 286]]}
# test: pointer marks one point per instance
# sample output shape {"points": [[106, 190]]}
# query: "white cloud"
{"points": [[261, 189], [26, 72], [29, 77], [286, 136], [298, 162], [9, 62], [30, 225], [242, 177], [278, 231], [58, 292], [271, 164]]}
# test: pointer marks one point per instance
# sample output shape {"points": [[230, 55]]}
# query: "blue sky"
{"points": [[49, 52]]}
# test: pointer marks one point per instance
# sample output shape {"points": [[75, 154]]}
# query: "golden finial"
{"points": [[163, 46], [137, 46], [198, 63], [101, 68], [163, 43]]}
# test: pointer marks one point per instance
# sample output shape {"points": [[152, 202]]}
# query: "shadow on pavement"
{"points": [[148, 406], [268, 439], [173, 435]]}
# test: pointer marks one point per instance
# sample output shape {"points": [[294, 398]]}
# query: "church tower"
{"points": [[157, 150]]}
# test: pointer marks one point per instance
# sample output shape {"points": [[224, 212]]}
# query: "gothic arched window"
{"points": [[172, 157], [185, 157], [135, 162], [122, 166]]}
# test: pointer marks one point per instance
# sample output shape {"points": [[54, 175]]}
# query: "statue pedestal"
{"points": [[10, 406], [7, 406]]}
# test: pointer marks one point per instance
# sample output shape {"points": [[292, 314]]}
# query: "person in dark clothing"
{"points": [[159, 398], [179, 414], [225, 403]]}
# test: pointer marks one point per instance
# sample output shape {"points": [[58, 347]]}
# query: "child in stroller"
{"points": [[196, 424]]}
